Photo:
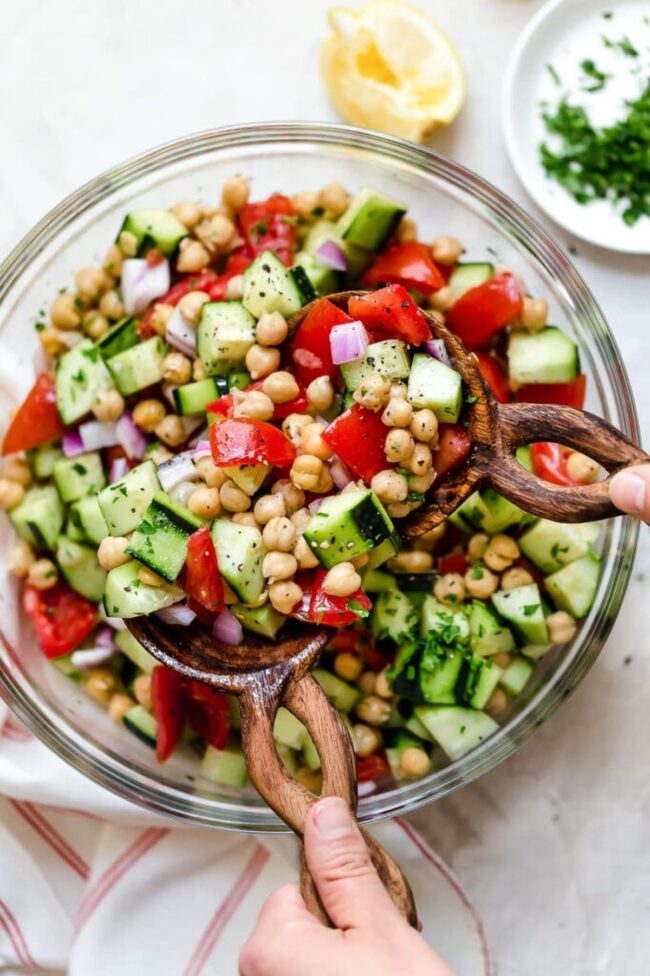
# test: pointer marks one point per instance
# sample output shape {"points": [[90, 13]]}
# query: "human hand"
{"points": [[630, 491], [370, 935]]}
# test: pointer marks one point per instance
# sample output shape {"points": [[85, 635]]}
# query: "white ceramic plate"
{"points": [[563, 34]]}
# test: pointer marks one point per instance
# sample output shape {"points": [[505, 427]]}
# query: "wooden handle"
{"points": [[292, 802]]}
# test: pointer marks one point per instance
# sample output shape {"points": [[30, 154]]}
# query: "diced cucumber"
{"points": [[154, 228], [535, 652], [120, 337], [142, 723], [225, 333], [124, 503], [438, 676], [488, 635], [43, 459], [343, 696], [134, 650], [288, 730], [552, 545], [393, 616], [240, 552], [72, 530], [138, 367], [370, 219], [80, 375], [436, 386], [378, 581], [573, 588], [65, 666], [193, 398], [415, 727], [160, 540], [264, 620], [522, 608], [125, 595], [79, 476], [291, 759], [87, 515], [224, 766], [490, 512], [548, 356], [323, 280], [248, 477], [524, 456], [456, 730], [39, 517], [79, 565], [270, 287], [480, 678], [389, 358], [302, 281], [515, 677], [437, 618], [348, 525], [310, 755], [468, 275], [403, 672]]}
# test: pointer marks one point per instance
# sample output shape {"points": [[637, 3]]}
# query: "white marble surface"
{"points": [[553, 844]]}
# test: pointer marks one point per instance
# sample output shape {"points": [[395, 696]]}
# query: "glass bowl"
{"points": [[443, 197]]}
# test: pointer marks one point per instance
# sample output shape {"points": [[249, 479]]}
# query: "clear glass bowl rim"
{"points": [[105, 768]]}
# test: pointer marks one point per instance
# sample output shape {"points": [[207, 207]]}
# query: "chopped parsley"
{"points": [[553, 73], [530, 609], [355, 607], [596, 78], [624, 45]]}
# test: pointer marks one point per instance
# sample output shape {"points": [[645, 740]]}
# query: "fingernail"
{"points": [[332, 817], [627, 491]]}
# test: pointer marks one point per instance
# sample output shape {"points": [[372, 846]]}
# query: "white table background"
{"points": [[554, 844]]}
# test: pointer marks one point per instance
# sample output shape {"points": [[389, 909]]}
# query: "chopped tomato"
{"points": [[568, 394], [336, 611], [224, 405], [310, 350], [483, 310], [391, 313], [248, 441], [453, 562], [372, 767], [202, 580], [61, 618], [37, 420], [359, 641], [409, 264], [454, 444], [208, 713], [270, 225], [495, 376], [169, 709], [550, 463], [358, 437]]}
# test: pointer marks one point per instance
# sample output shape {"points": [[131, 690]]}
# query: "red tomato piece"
{"points": [[409, 264], [336, 611], [568, 394], [310, 351], [483, 310], [495, 376], [359, 641], [454, 444], [372, 767], [550, 463], [358, 437], [61, 618], [391, 313], [453, 562], [224, 405], [37, 420], [270, 225], [208, 713], [248, 441], [202, 580], [169, 709]]}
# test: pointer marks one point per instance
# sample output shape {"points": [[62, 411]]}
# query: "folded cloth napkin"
{"points": [[91, 884]]}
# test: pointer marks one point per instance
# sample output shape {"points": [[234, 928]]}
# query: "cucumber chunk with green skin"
{"points": [[547, 356], [302, 281], [240, 552], [310, 755], [270, 287], [370, 219], [516, 676], [193, 398], [522, 608], [225, 333], [120, 337], [288, 730], [490, 512], [488, 635], [552, 545], [393, 616], [65, 666], [39, 517], [468, 275], [349, 524], [415, 727], [225, 766], [143, 725], [79, 476], [154, 228], [134, 650], [389, 358], [72, 529], [124, 503], [479, 678], [79, 566], [438, 676], [43, 460], [160, 540], [378, 581], [435, 386], [343, 696], [457, 730], [573, 588], [87, 514], [138, 367], [248, 477], [125, 595], [535, 652], [80, 375], [264, 620], [439, 619], [323, 280]]}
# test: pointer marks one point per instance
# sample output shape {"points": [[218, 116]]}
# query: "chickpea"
{"points": [[293, 425], [497, 703], [113, 261], [11, 494], [112, 552], [269, 507], [407, 230], [414, 763], [119, 705], [191, 304], [429, 540], [534, 313], [366, 682], [382, 685], [294, 498], [365, 739], [213, 476], [142, 690], [171, 431], [413, 561], [304, 204], [561, 627], [235, 192], [43, 574], [398, 413], [284, 595], [198, 371], [160, 316], [188, 212], [204, 502], [192, 256], [301, 519], [477, 546], [446, 250], [111, 305], [325, 482], [53, 343], [333, 198], [374, 710], [108, 405], [279, 566], [148, 414], [341, 580], [272, 329], [320, 394], [398, 390], [304, 555], [449, 589], [306, 471], [95, 324], [311, 779], [502, 659], [17, 469], [441, 300], [176, 368], [311, 442], [501, 551], [262, 361], [373, 393], [20, 559], [279, 534], [480, 582], [582, 468], [390, 486], [219, 232], [424, 425], [255, 404], [245, 518], [235, 288], [65, 312], [399, 509], [420, 460], [348, 665], [517, 576], [128, 244], [422, 482], [281, 386], [90, 283], [100, 684], [399, 445], [232, 498]]}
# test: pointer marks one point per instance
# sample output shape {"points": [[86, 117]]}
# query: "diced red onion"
{"points": [[130, 437], [178, 469], [90, 657], [364, 789], [315, 505], [142, 283], [227, 629], [331, 255], [95, 435], [202, 449], [437, 349], [179, 615], [73, 444], [348, 342], [341, 476], [104, 637], [119, 467], [180, 334]]}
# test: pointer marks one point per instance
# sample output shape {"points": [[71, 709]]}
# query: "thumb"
{"points": [[339, 862], [630, 491]]}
